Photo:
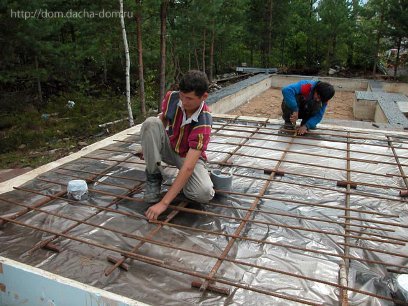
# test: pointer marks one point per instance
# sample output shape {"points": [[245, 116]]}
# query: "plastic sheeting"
{"points": [[287, 228]]}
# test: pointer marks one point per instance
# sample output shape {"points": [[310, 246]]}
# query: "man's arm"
{"points": [[184, 174], [164, 120], [289, 93], [313, 121]]}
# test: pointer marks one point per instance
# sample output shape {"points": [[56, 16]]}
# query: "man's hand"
{"points": [[139, 151], [294, 117], [302, 130], [154, 211], [140, 155]]}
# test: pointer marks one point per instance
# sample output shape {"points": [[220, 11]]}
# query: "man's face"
{"points": [[316, 97], [190, 101]]}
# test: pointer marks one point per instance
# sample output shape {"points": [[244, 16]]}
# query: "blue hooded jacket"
{"points": [[304, 88]]}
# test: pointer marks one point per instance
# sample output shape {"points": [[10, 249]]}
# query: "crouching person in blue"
{"points": [[306, 100]]}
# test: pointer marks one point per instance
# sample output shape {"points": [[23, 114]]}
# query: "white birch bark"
{"points": [[125, 43]]}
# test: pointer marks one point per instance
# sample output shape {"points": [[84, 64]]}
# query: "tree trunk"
{"points": [[308, 42], [125, 43], [163, 20], [39, 88], [327, 65], [397, 59], [270, 6], [203, 51], [140, 56], [350, 56], [211, 74], [176, 66], [105, 70], [333, 54], [196, 58], [379, 32], [283, 52]]}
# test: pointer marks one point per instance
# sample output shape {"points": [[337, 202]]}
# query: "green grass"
{"points": [[30, 138]]}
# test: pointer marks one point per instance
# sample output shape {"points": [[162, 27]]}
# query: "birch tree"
{"points": [[127, 73]]}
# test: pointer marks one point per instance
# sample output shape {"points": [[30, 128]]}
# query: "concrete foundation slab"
{"points": [[26, 285]]}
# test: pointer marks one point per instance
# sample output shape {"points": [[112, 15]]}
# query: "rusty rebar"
{"points": [[149, 236], [309, 154], [283, 199], [302, 144], [399, 164], [45, 201], [263, 211], [199, 212], [310, 136], [290, 246], [357, 193], [242, 225], [321, 132], [159, 263], [218, 233], [45, 242], [294, 173]]}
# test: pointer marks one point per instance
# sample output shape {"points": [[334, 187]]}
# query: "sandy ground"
{"points": [[268, 104]]}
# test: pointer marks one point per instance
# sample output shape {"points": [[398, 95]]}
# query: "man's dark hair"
{"points": [[325, 91], [194, 80]]}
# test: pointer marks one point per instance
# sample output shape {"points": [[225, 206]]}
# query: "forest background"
{"points": [[63, 63]]}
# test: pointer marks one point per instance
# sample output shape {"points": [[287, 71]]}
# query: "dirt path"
{"points": [[268, 104]]}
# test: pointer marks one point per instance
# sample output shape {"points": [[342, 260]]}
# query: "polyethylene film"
{"points": [[301, 211]]}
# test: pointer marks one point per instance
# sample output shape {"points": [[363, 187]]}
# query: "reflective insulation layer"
{"points": [[319, 219]]}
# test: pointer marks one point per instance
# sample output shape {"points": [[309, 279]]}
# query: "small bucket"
{"points": [[402, 285], [221, 181], [76, 189]]}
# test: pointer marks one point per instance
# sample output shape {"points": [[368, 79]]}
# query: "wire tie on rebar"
{"points": [[52, 247], [151, 260], [404, 193], [115, 260], [213, 288], [277, 172], [344, 184]]}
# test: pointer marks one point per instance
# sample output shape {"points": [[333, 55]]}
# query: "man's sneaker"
{"points": [[152, 188]]}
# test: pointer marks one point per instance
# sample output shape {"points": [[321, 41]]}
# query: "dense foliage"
{"points": [[52, 55]]}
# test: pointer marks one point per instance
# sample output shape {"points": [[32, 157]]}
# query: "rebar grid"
{"points": [[318, 136], [220, 233], [263, 169], [249, 221]]}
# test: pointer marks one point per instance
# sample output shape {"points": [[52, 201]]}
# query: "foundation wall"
{"points": [[380, 116], [239, 97], [364, 109], [340, 84], [21, 284], [401, 88]]}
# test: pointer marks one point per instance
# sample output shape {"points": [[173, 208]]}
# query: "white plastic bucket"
{"points": [[402, 284], [76, 189]]}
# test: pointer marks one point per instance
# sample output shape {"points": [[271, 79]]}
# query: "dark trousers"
{"points": [[286, 113]]}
